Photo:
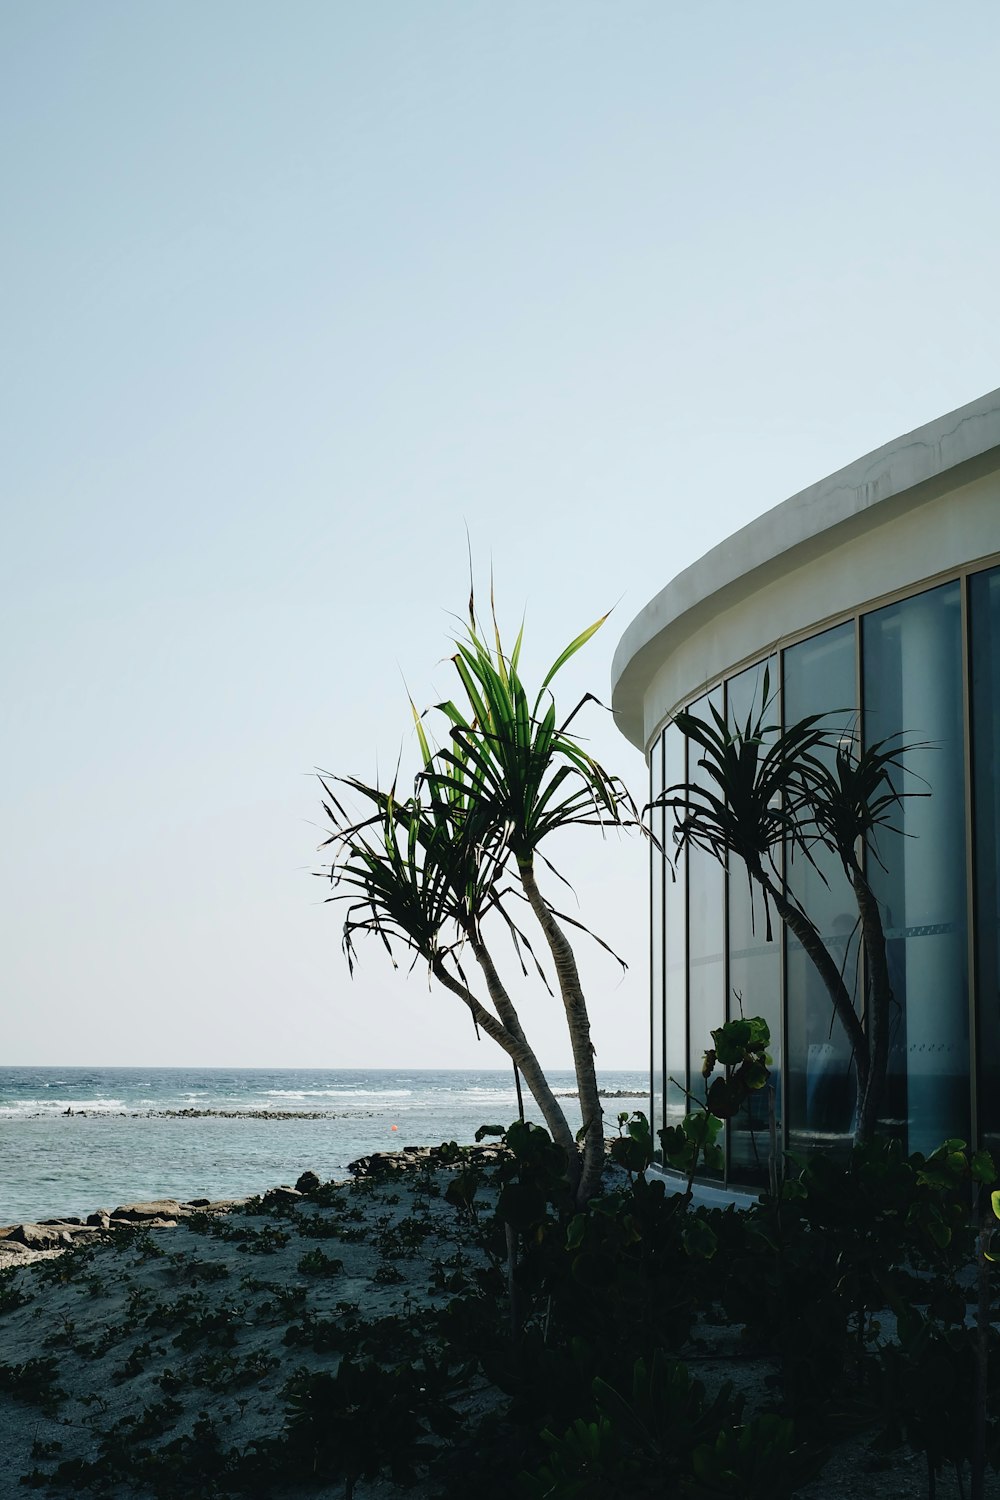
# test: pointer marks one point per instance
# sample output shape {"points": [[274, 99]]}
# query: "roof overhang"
{"points": [[944, 454]]}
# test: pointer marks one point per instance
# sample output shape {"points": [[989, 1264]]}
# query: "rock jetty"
{"points": [[425, 1158], [20, 1243], [223, 1114], [604, 1094]]}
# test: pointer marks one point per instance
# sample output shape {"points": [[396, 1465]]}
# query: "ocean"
{"points": [[76, 1139]]}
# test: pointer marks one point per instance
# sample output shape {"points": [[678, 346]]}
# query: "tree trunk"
{"points": [[878, 1005], [803, 929], [534, 1077], [519, 1051], [578, 1022]]}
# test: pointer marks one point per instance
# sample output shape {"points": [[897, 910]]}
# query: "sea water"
{"points": [[76, 1139]]}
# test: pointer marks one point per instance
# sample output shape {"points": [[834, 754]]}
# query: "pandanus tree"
{"points": [[767, 795], [441, 871], [854, 800]]}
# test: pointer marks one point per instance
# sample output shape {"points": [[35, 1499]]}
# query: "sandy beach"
{"points": [[176, 1335], [206, 1314]]}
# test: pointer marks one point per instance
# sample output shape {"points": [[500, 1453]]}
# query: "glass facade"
{"points": [[675, 1030], [928, 667], [658, 872], [984, 687], [912, 660], [820, 677], [753, 985], [706, 936]]}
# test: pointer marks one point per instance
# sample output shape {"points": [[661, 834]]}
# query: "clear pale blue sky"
{"points": [[291, 293]]}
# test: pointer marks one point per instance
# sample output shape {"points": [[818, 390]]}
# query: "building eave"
{"points": [[943, 454]]}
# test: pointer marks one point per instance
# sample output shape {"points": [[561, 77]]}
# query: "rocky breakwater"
{"points": [[604, 1094], [425, 1158], [20, 1243], [434, 1159], [276, 1115]]}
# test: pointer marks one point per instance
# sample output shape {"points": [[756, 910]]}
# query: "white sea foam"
{"points": [[336, 1093], [26, 1108]]}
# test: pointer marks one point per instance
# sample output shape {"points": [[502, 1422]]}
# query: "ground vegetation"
{"points": [[456, 1327]]}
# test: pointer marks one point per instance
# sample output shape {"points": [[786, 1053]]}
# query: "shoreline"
{"points": [[112, 1150], [28, 1240]]}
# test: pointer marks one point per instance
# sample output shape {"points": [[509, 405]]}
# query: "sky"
{"points": [[299, 302]]}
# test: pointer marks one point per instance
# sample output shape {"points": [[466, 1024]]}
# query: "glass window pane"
{"points": [[818, 677], [656, 950], [913, 683], [754, 961], [984, 606], [706, 933], [676, 947]]}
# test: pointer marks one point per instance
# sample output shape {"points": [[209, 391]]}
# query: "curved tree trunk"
{"points": [[800, 925], [535, 1078], [513, 1042], [879, 1002], [578, 1022]]}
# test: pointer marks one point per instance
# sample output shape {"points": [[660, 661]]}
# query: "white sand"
{"points": [[91, 1310], [112, 1314]]}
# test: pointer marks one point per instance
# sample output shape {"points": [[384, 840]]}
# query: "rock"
{"points": [[12, 1249], [159, 1208], [282, 1195], [410, 1158], [307, 1183], [160, 1221], [37, 1236]]}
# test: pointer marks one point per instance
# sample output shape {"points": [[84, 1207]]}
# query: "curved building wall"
{"points": [[875, 601]]}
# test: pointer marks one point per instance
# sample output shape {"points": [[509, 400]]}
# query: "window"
{"points": [[754, 979], [984, 609], [657, 873], [819, 678], [706, 935], [912, 658], [675, 916]]}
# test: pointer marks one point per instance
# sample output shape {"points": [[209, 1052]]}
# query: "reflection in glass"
{"points": [[913, 681], [754, 963], [818, 677], [706, 933], [676, 946], [656, 951], [984, 608]]}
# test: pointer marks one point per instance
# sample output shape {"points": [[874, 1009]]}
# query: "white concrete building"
{"points": [[875, 594]]}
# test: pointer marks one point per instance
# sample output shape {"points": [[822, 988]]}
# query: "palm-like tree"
{"points": [[416, 876], [526, 774], [852, 802], [766, 790], [425, 873]]}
